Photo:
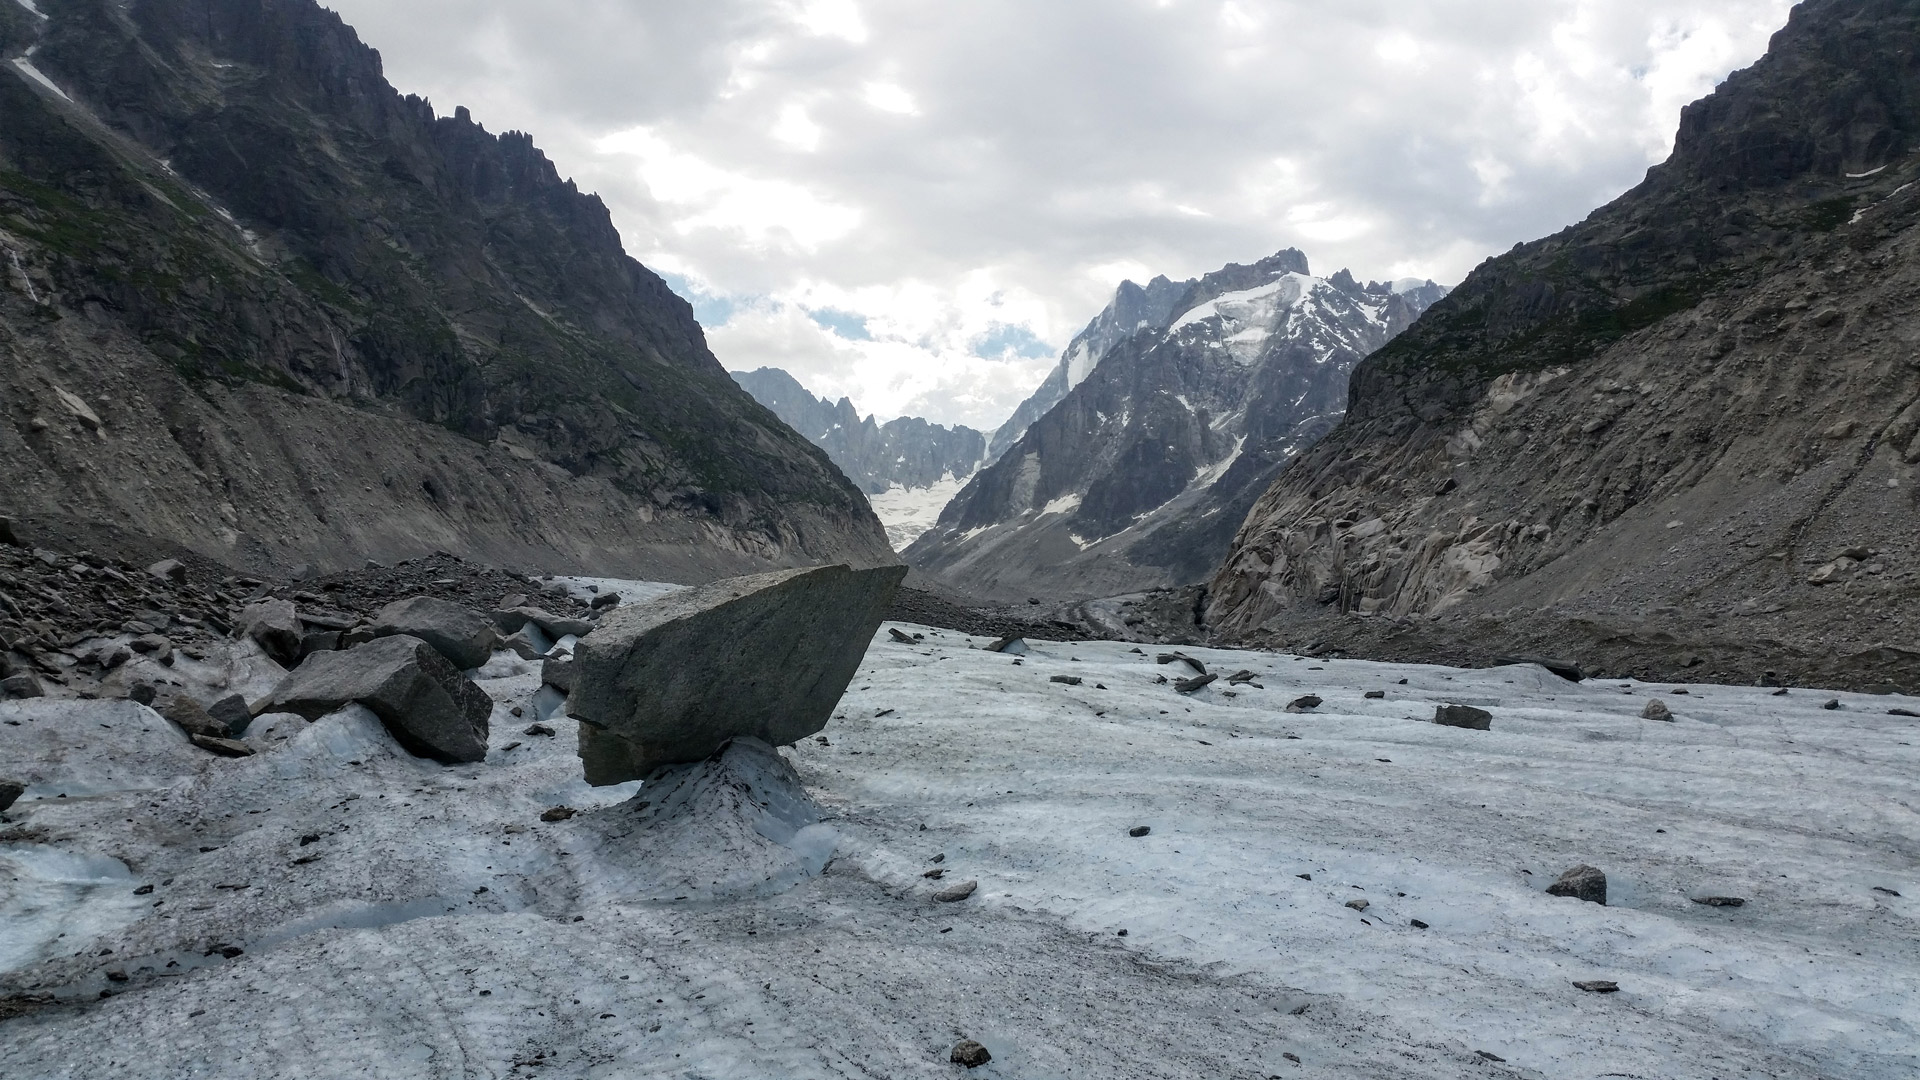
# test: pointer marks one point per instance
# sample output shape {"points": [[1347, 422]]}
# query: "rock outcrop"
{"points": [[430, 707], [255, 302], [673, 679], [1662, 439], [1176, 416]]}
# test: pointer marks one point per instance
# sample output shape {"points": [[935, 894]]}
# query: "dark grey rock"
{"points": [[7, 535], [1198, 682], [969, 1053], [1139, 831], [509, 620], [1904, 712], [1583, 882], [1013, 646], [523, 646], [897, 635], [558, 672], [1360, 903], [192, 717], [1066, 680], [1720, 901], [767, 656], [1832, 705], [430, 707], [604, 601], [223, 747], [169, 570], [1657, 710], [319, 641], [1182, 658], [143, 693], [23, 684], [10, 792], [1598, 986], [1376, 695], [1307, 703], [232, 713], [275, 626], [462, 636], [1463, 716]]}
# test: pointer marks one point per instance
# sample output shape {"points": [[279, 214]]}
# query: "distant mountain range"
{"points": [[907, 466], [1138, 458]]}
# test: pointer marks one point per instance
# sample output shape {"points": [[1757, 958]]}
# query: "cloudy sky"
{"points": [[919, 203]]}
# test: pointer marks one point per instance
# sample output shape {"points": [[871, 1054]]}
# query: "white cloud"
{"points": [[759, 147], [890, 97]]}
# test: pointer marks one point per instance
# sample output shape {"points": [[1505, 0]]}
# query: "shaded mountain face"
{"points": [[904, 452], [260, 304], [1138, 475], [1685, 429]]}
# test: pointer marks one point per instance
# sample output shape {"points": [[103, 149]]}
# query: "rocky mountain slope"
{"points": [[905, 452], [1681, 433], [259, 304], [1138, 475]]}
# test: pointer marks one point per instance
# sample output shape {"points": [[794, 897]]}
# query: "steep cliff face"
{"points": [[1684, 430], [905, 452], [1133, 309], [313, 321], [1137, 477]]}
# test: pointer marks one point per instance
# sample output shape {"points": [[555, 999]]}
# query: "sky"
{"points": [[918, 204]]}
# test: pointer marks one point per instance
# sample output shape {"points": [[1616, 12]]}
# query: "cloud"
{"points": [[940, 174]]}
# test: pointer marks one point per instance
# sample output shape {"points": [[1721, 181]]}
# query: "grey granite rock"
{"points": [[463, 636], [430, 707], [1463, 716], [767, 656], [1582, 883]]}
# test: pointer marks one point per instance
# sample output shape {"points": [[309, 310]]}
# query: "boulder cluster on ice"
{"points": [[1156, 883]]}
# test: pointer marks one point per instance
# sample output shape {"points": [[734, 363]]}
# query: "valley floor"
{"points": [[445, 930]]}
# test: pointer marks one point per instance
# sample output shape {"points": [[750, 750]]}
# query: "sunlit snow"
{"points": [[908, 512]]}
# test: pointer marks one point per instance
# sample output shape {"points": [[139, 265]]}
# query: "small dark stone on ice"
{"points": [[1418, 925], [1882, 889], [1903, 712], [1305, 704], [1304, 877], [1198, 682], [970, 1053], [538, 729], [1402, 682], [1831, 705], [222, 747], [1583, 882], [1139, 830], [1182, 658], [557, 813], [1295, 1058], [142, 693], [10, 792], [1489, 1056], [1463, 716], [1376, 695], [1598, 986], [144, 890], [895, 634], [1066, 680], [936, 873], [1720, 901]]}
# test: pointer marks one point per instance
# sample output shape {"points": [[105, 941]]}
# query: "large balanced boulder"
{"points": [[430, 707], [671, 680], [463, 636]]}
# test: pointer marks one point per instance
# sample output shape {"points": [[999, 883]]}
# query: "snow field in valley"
{"points": [[438, 927]]}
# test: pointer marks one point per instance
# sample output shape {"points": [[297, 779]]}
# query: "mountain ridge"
{"points": [[221, 216], [1699, 405]]}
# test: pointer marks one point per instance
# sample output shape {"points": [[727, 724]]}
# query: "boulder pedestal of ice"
{"points": [[672, 680]]}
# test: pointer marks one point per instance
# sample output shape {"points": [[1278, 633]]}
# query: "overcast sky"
{"points": [[919, 203]]}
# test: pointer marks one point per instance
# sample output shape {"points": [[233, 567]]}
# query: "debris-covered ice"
{"points": [[336, 907]]}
